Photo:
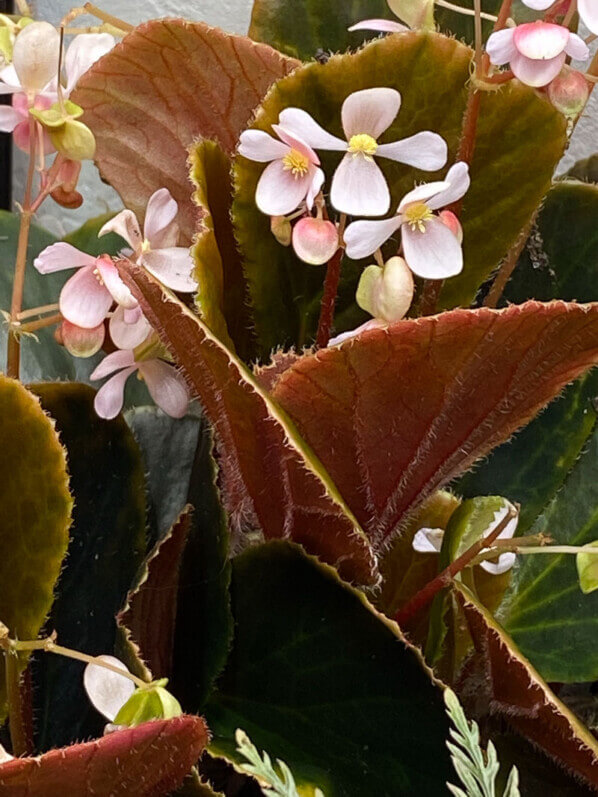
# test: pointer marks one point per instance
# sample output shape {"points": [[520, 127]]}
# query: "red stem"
{"points": [[333, 275]]}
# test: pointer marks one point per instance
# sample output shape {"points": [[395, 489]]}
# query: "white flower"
{"points": [[292, 175], [358, 186], [34, 61], [535, 51], [107, 690], [431, 248]]}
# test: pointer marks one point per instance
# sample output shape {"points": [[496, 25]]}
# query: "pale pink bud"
{"points": [[569, 92], [280, 227], [35, 56], [81, 342], [386, 293], [448, 218], [315, 240]]}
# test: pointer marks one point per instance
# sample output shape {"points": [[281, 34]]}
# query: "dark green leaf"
{"points": [[86, 237]]}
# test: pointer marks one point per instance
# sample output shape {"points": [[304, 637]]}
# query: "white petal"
{"points": [[35, 55], [501, 47], [459, 182], [61, 256], [161, 211], [428, 541], [362, 238], [113, 362], [359, 188], [84, 301], [423, 193], [511, 527], [424, 150], [505, 562], [301, 123], [126, 225], [538, 5], [433, 254], [110, 397], [373, 323], [256, 145], [380, 25], [173, 267], [128, 335], [107, 690], [114, 284], [294, 142], [536, 73], [588, 11], [9, 77], [166, 386], [540, 40], [279, 192], [577, 48], [370, 111], [82, 53], [9, 118], [314, 188]]}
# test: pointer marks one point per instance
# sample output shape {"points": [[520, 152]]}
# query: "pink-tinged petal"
{"points": [[449, 220], [110, 397], [501, 47], [362, 238], [380, 26], [161, 211], [84, 301], [538, 5], [373, 323], [279, 191], [370, 111], [315, 240], [128, 334], [9, 80], [107, 690], [428, 541], [9, 118], [173, 267], [505, 562], [540, 40], [113, 362], [433, 254], [61, 256], [425, 150], [82, 342], [294, 142], [359, 188], [314, 188], [256, 145], [536, 73], [126, 225], [300, 123], [21, 104], [82, 53], [458, 180], [132, 315], [588, 11], [166, 386], [577, 48], [423, 193], [114, 285], [21, 139]]}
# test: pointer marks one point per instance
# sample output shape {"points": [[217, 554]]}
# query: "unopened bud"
{"points": [[315, 241], [386, 293], [415, 13], [448, 218], [281, 229], [81, 342], [35, 55], [66, 180], [74, 140], [569, 92], [150, 702]]}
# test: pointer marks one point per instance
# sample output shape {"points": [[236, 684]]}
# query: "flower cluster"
{"points": [[96, 293]]}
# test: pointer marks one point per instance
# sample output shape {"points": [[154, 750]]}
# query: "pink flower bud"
{"points": [[81, 342], [449, 220], [314, 240], [569, 92]]}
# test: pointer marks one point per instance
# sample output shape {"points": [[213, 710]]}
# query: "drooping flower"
{"points": [[156, 249], [358, 186], [386, 293], [430, 541], [166, 386], [431, 248], [535, 51], [292, 175], [415, 13], [315, 241]]}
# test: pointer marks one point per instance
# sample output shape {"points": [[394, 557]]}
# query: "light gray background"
{"points": [[233, 16]]}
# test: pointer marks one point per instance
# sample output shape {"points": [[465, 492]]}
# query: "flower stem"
{"points": [[422, 598], [18, 735], [41, 323], [468, 12], [89, 8], [333, 275], [44, 308]]}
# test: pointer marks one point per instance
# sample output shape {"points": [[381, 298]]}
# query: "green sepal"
{"points": [[151, 702], [74, 140], [57, 115], [587, 569]]}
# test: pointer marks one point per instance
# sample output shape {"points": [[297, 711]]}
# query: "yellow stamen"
{"points": [[417, 214], [296, 162], [364, 144]]}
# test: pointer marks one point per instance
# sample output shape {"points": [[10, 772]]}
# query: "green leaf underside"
{"points": [[501, 677], [106, 548], [560, 261], [322, 681], [510, 164], [269, 476], [36, 514]]}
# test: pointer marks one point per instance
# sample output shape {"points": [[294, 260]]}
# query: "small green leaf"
{"points": [[587, 569]]}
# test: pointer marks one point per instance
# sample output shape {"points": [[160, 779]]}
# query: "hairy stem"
{"points": [[422, 598], [508, 265], [333, 275], [18, 734]]}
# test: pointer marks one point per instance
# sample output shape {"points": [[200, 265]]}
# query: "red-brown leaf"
{"points": [[270, 478], [395, 414], [167, 84], [147, 761], [507, 685]]}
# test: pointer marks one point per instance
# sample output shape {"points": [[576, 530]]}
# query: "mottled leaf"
{"points": [[168, 83]]}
